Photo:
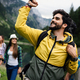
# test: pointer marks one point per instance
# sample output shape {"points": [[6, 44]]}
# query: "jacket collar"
{"points": [[67, 39]]}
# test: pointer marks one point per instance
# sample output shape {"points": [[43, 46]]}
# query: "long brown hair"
{"points": [[15, 49]]}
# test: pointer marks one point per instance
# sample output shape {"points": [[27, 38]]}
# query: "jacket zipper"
{"points": [[47, 59]]}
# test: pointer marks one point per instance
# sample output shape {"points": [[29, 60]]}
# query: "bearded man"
{"points": [[52, 52]]}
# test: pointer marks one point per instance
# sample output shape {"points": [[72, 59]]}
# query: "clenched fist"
{"points": [[33, 3]]}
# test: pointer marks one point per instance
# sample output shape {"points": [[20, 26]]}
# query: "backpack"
{"points": [[41, 37]]}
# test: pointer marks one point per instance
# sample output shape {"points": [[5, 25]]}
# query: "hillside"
{"points": [[8, 15]]}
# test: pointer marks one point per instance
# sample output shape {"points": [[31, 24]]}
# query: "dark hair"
{"points": [[71, 26], [15, 49], [2, 38]]}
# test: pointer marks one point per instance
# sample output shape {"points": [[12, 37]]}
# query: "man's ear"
{"points": [[64, 25]]}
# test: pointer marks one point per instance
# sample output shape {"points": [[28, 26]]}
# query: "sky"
{"points": [[46, 7]]}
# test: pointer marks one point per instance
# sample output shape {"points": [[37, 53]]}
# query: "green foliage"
{"points": [[46, 28], [2, 11], [75, 15]]}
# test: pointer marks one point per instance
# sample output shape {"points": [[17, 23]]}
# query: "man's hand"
{"points": [[71, 51], [67, 77], [33, 3]]}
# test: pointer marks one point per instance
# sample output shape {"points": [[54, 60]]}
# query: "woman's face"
{"points": [[14, 41], [1, 39]]}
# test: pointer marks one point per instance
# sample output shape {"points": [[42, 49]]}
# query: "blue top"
{"points": [[78, 61]]}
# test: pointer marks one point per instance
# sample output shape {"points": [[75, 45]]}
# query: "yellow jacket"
{"points": [[58, 55]]}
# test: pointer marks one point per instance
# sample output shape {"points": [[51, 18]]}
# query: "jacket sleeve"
{"points": [[5, 58], [30, 34], [72, 66], [19, 56]]}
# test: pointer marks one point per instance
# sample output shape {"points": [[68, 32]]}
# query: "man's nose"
{"points": [[54, 19]]}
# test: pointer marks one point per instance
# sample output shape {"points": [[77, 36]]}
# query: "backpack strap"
{"points": [[72, 43], [41, 37], [68, 57]]}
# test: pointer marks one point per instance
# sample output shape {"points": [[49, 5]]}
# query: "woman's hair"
{"points": [[15, 49], [2, 38], [71, 26]]}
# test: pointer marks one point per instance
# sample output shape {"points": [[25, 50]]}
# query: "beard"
{"points": [[56, 27]]}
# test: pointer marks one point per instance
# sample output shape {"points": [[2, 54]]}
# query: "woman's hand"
{"points": [[0, 62], [0, 59], [19, 70]]}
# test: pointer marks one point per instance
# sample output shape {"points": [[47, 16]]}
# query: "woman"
{"points": [[13, 58], [2, 48]]}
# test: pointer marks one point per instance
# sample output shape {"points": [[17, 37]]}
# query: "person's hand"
{"points": [[71, 51], [19, 70], [67, 77], [33, 3], [0, 62], [1, 59]]}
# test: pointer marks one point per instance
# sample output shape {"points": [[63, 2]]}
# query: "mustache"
{"points": [[53, 22]]}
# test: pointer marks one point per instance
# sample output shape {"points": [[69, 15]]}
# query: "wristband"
{"points": [[74, 59], [29, 5]]}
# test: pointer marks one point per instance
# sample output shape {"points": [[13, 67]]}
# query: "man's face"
{"points": [[56, 22]]}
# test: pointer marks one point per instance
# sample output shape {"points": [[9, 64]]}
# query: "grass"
{"points": [[4, 75]]}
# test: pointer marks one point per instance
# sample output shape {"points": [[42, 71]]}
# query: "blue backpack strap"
{"points": [[41, 37]]}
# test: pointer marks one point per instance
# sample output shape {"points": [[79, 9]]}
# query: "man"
{"points": [[52, 52]]}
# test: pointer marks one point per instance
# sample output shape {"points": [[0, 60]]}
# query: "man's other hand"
{"points": [[71, 51]]}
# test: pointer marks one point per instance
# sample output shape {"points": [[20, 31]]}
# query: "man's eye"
{"points": [[57, 18]]}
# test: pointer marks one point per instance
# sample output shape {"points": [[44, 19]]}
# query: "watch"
{"points": [[74, 59], [28, 5]]}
